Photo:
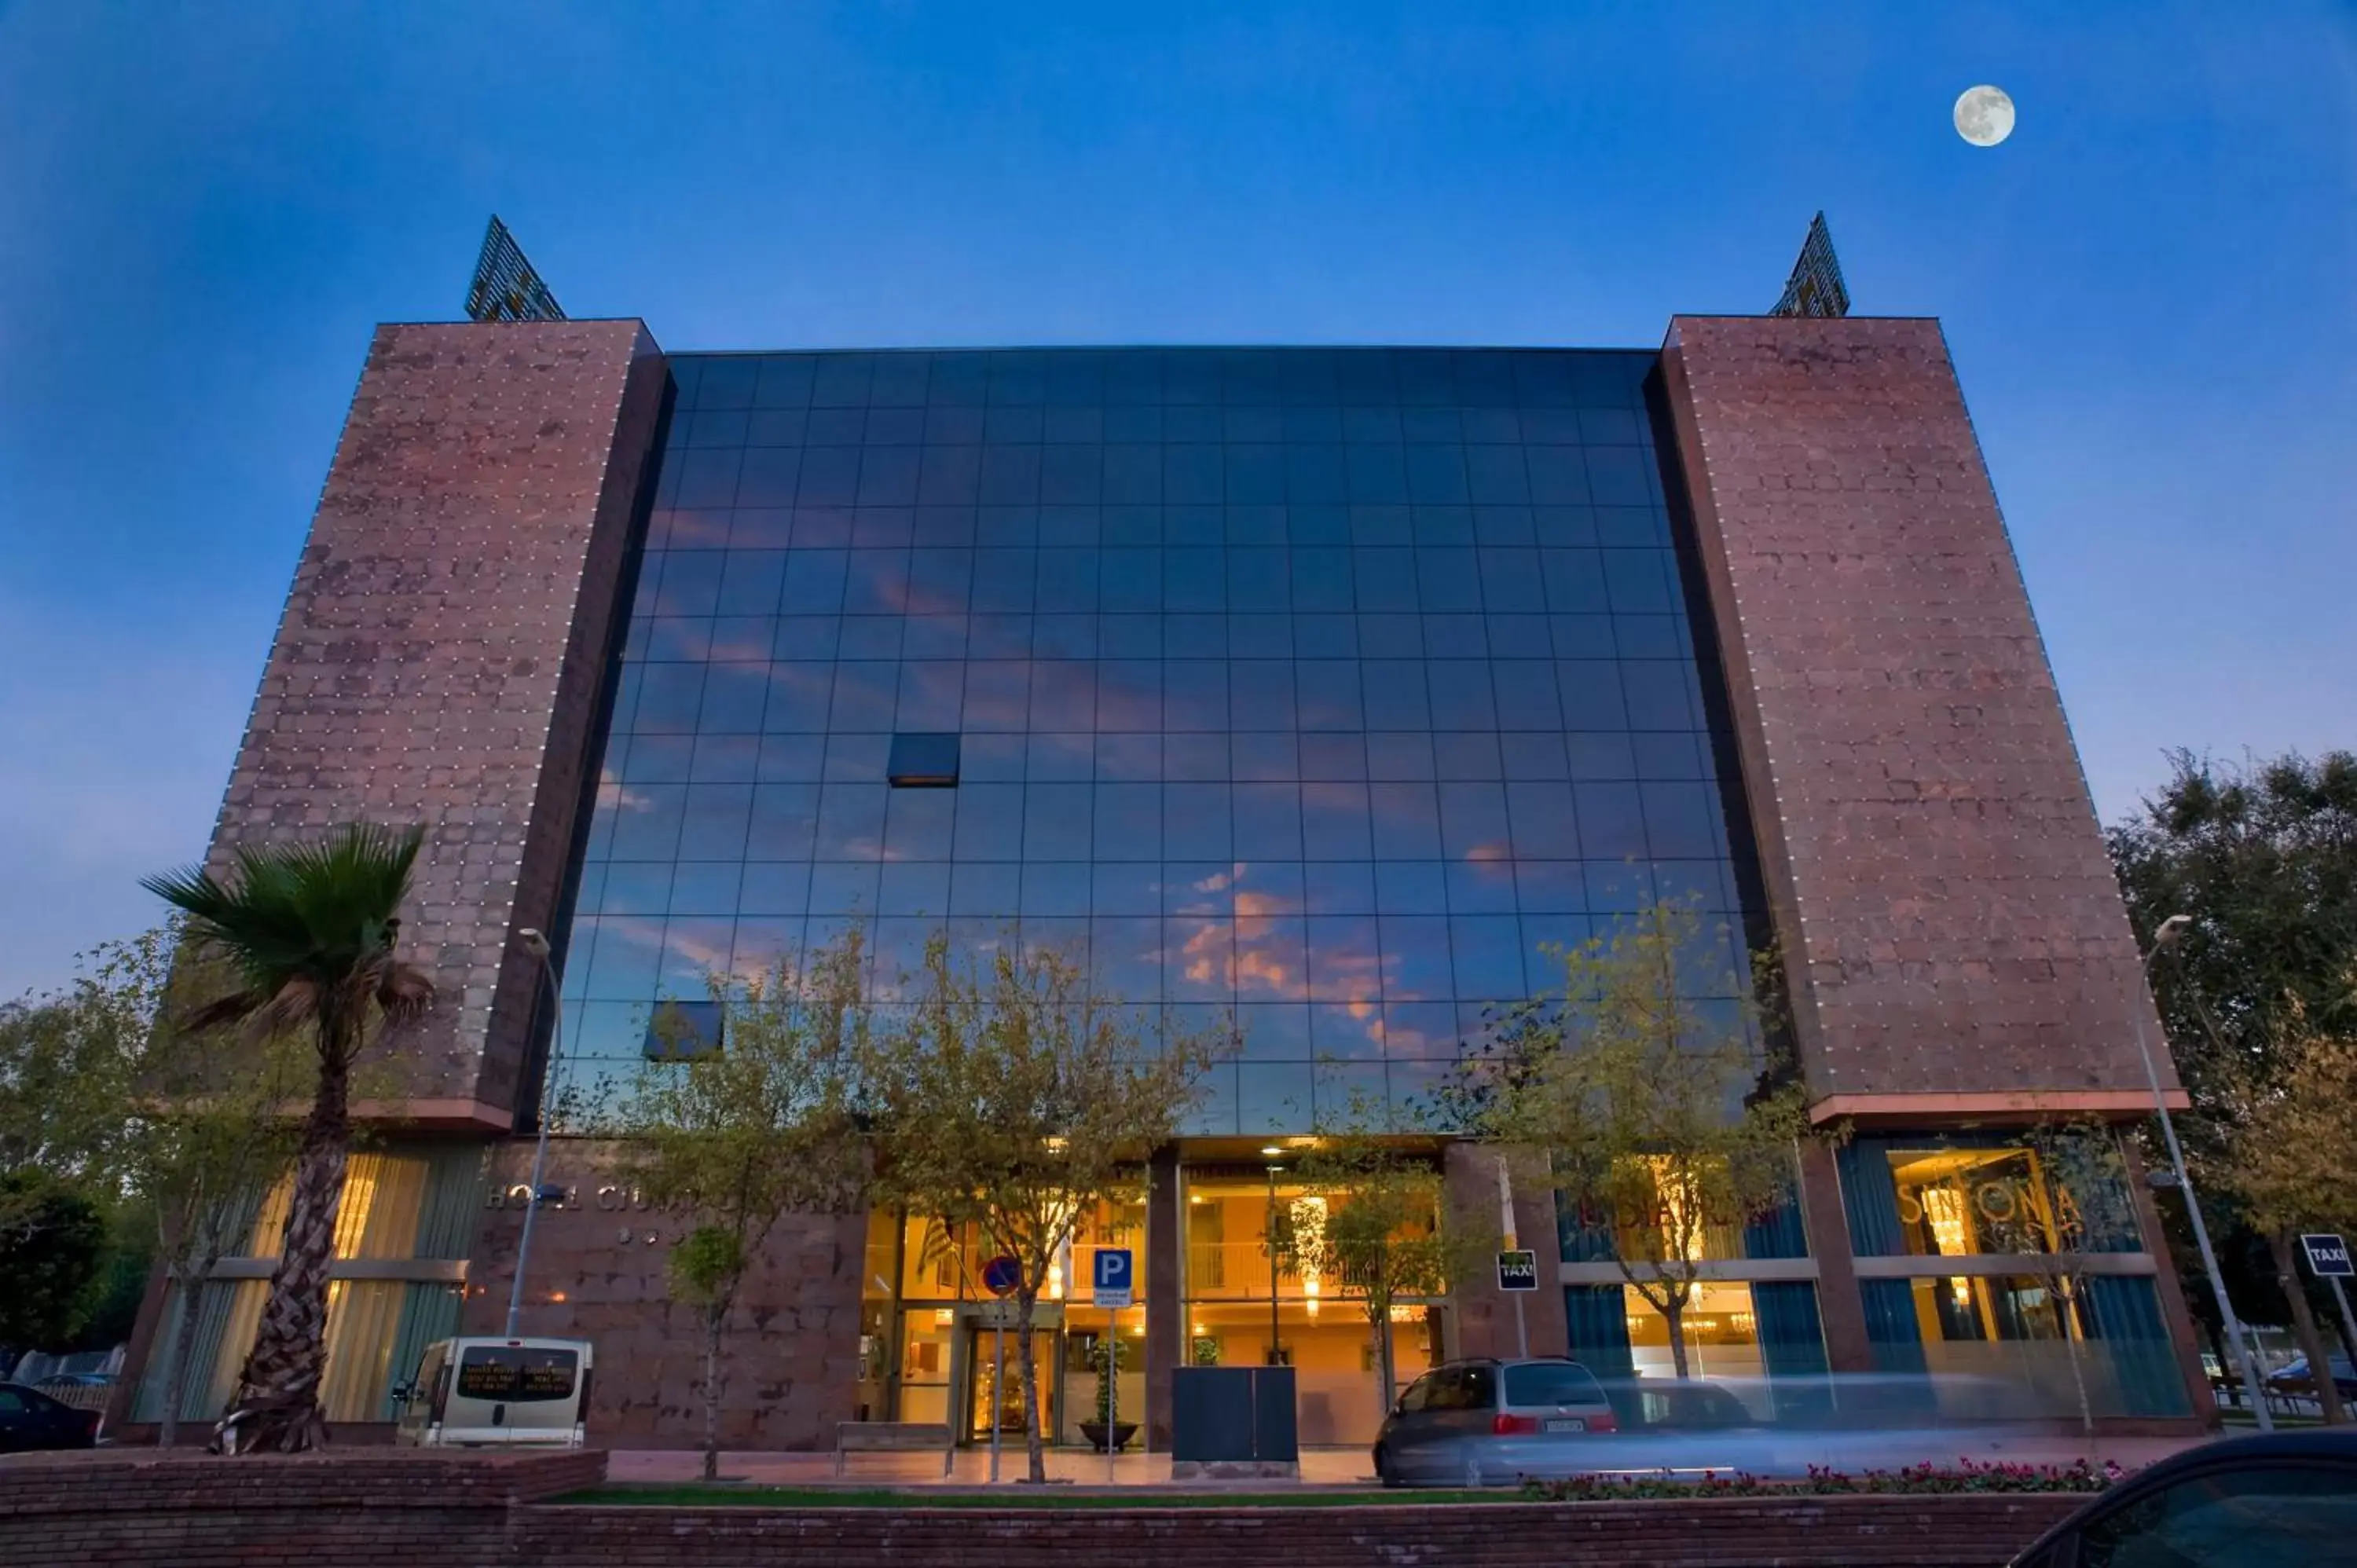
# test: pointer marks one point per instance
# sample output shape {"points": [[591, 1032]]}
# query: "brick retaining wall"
{"points": [[382, 1509]]}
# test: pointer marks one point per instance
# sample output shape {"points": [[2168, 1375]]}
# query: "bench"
{"points": [[893, 1437]]}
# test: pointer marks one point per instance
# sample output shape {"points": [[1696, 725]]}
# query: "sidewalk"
{"points": [[1319, 1466]]}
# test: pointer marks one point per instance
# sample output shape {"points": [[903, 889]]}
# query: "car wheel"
{"points": [[1386, 1473]]}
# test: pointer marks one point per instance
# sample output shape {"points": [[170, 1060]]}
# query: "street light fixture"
{"points": [[2166, 937], [536, 944]]}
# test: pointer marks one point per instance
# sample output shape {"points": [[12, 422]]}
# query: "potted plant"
{"points": [[1107, 1358]]}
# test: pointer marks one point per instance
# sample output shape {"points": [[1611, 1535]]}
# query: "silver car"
{"points": [[1487, 1423]]}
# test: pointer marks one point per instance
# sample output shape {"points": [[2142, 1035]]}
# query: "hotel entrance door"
{"points": [[995, 1392]]}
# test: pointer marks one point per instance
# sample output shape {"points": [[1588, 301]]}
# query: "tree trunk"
{"points": [[713, 1317], [1674, 1315], [2311, 1344], [1035, 1450], [278, 1391], [176, 1359], [1379, 1322], [2066, 1301]]}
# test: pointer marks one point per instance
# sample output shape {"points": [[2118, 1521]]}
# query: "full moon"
{"points": [[1985, 116]]}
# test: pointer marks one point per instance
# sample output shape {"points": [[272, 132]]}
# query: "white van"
{"points": [[497, 1393]]}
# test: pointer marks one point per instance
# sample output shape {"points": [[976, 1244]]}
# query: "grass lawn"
{"points": [[724, 1496]]}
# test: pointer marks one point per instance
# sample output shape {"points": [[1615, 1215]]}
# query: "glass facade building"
{"points": [[1322, 689], [1323, 686]]}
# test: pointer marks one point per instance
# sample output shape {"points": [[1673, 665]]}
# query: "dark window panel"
{"points": [[1274, 1031], [1657, 693], [1544, 819], [1132, 580], [1639, 581], [1129, 696], [1473, 819], [791, 758], [1058, 890], [1525, 694], [843, 380], [1550, 886], [1671, 755], [1622, 476], [1325, 636], [1267, 756], [1448, 580], [1436, 476], [1411, 887], [668, 698], [959, 381], [774, 887], [941, 581], [1267, 822], [1456, 635], [1345, 964], [1261, 693], [1010, 475], [1327, 695], [1195, 695], [1059, 759], [1071, 476], [989, 822], [949, 476], [1487, 952], [677, 639], [1335, 821], [1194, 580], [1257, 581], [1467, 753], [900, 379], [1006, 581], [1196, 757], [1583, 636], [691, 583], [1559, 475], [887, 475], [1257, 635], [734, 698], [1056, 821], [866, 694], [1462, 696], [637, 888], [1339, 887], [1511, 581], [1611, 821], [851, 821], [998, 694], [1481, 886], [876, 583], [705, 886], [743, 639], [1680, 820], [1537, 753], [1127, 821], [871, 637], [1590, 690], [953, 426], [1378, 475], [713, 821], [1416, 961], [815, 581], [985, 892], [1401, 754], [835, 427], [843, 888], [829, 478], [999, 635], [798, 697], [1333, 755], [1063, 695], [1385, 580], [1197, 820], [1406, 821], [783, 822], [922, 760]]}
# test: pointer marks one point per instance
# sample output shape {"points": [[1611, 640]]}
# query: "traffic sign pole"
{"points": [[2348, 1324], [997, 1388], [1506, 1220], [1113, 1385]]}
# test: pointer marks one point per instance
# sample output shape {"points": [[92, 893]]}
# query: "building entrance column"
{"points": [[1841, 1312], [1166, 1313]]}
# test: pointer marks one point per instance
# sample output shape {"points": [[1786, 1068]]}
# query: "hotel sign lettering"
{"points": [[607, 1199]]}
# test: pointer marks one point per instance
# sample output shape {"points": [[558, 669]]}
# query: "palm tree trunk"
{"points": [[278, 1391], [176, 1359], [2311, 1343]]}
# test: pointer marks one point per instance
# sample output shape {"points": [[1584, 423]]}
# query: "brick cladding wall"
{"points": [[443, 648], [789, 1367], [458, 1510], [1933, 862]]}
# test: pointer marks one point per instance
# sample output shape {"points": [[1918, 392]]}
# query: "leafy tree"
{"points": [[308, 932], [1656, 1109], [1374, 1229], [2263, 857], [2077, 1202], [51, 1258], [763, 1124], [2291, 1145], [1015, 1100]]}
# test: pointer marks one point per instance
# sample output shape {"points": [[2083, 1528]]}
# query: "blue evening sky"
{"points": [[204, 209]]}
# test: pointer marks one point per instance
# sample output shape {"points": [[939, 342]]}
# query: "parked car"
{"points": [[2294, 1378], [498, 1393], [2287, 1498], [31, 1420], [1479, 1423]]}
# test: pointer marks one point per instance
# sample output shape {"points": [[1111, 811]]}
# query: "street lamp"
{"points": [[536, 944], [1270, 1155], [2166, 937]]}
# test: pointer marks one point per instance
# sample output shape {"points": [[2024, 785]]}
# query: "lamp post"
{"points": [[536, 944], [1269, 1154], [2166, 937]]}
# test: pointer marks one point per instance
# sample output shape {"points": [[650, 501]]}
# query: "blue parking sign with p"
{"points": [[1114, 1278]]}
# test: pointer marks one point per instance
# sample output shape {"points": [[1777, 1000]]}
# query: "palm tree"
{"points": [[308, 931]]}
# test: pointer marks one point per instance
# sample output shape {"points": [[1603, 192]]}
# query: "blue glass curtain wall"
{"points": [[1319, 686]]}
